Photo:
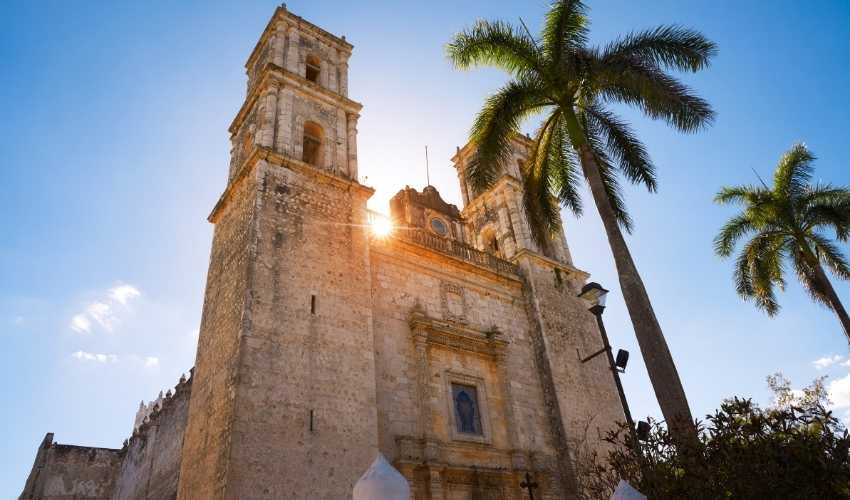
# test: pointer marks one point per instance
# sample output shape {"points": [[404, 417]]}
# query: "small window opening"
{"points": [[314, 67], [312, 304], [312, 143]]}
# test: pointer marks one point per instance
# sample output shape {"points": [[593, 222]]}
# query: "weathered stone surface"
{"points": [[151, 461], [66, 472]]}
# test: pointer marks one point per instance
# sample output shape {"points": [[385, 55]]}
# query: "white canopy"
{"points": [[625, 491], [381, 481]]}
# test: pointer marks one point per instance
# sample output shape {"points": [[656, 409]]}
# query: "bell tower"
{"points": [[297, 101], [283, 401], [497, 222]]}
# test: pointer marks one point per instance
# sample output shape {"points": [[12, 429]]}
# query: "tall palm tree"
{"points": [[570, 83], [787, 223]]}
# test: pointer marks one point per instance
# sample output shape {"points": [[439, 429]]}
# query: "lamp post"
{"points": [[596, 295]]}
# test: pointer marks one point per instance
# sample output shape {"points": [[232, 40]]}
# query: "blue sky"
{"points": [[115, 147]]}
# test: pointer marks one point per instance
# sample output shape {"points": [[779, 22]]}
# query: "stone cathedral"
{"points": [[451, 345]]}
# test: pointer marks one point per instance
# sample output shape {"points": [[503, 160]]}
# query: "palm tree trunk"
{"points": [[659, 362], [832, 298]]}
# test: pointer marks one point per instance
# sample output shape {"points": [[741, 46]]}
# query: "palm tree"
{"points": [[787, 223], [570, 83]]}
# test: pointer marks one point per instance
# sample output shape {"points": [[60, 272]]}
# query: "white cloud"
{"points": [[123, 293], [81, 324], [103, 312], [151, 362], [95, 357], [846, 363], [827, 361], [839, 392], [18, 321]]}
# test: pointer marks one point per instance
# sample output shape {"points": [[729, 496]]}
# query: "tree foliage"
{"points": [[557, 74], [793, 449], [787, 222]]}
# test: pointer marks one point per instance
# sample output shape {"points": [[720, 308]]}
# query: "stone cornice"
{"points": [[281, 14], [455, 336], [273, 76], [461, 152], [550, 263], [260, 153], [447, 263]]}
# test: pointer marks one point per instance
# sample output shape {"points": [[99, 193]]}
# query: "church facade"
{"points": [[451, 345]]}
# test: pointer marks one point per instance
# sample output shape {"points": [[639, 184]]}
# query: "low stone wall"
{"points": [[151, 464], [146, 468], [63, 472]]}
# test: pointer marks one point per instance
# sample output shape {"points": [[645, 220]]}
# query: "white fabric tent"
{"points": [[381, 481], [625, 491]]}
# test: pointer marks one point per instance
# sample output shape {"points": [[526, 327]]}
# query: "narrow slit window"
{"points": [[312, 304]]}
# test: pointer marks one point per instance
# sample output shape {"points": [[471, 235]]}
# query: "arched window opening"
{"points": [[314, 67], [312, 143], [491, 242]]}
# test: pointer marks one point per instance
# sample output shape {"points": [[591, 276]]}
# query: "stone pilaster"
{"points": [[268, 114], [352, 145], [283, 139], [292, 62]]}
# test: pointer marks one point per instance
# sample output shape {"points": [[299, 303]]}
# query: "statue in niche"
{"points": [[468, 419]]}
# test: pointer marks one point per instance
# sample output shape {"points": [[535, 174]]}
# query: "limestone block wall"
{"points": [[151, 463], [403, 278], [586, 395], [209, 428], [303, 417], [66, 472]]}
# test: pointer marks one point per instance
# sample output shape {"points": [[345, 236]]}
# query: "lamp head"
{"points": [[642, 430], [622, 359], [594, 293]]}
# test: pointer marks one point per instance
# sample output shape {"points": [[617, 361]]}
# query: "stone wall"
{"points": [[147, 467], [414, 404], [304, 419], [209, 427], [151, 464], [65, 472]]}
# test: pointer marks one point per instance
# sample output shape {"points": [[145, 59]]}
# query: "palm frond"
{"points": [[759, 271], [624, 147], [495, 43], [567, 177], [657, 94], [829, 254], [806, 277], [741, 195], [824, 206], [671, 47], [564, 29], [497, 123], [541, 210], [736, 228], [793, 172]]}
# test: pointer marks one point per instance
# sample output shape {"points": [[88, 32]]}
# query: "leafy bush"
{"points": [[794, 449]]}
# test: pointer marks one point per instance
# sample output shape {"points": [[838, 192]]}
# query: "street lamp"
{"points": [[596, 295]]}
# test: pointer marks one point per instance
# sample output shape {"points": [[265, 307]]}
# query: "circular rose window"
{"points": [[439, 227]]}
